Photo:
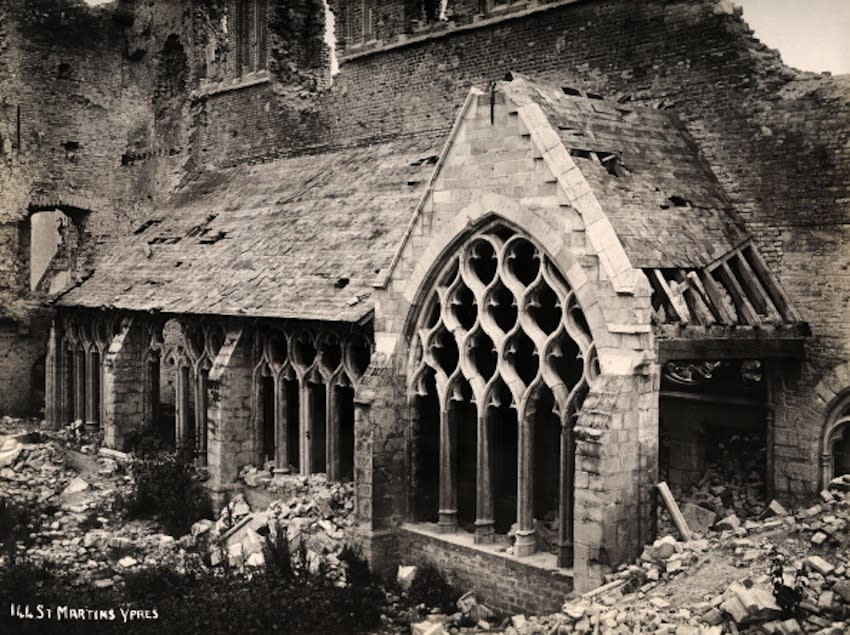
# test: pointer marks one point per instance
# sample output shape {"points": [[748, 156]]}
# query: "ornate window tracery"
{"points": [[177, 364], [502, 356], [305, 379], [835, 457], [85, 343]]}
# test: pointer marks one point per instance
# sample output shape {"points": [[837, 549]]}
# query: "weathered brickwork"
{"points": [[502, 582]]}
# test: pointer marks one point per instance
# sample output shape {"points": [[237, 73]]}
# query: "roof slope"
{"points": [[662, 199], [301, 237]]}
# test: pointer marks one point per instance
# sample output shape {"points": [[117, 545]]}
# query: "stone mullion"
{"points": [[92, 392], [201, 417], [332, 458], [525, 540], [183, 396], [566, 496], [281, 441], [304, 422], [79, 385], [484, 521], [448, 472]]}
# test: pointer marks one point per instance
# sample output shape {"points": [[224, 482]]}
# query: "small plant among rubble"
{"points": [[166, 489]]}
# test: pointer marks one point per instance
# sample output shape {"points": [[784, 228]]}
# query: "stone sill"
{"points": [[442, 29], [209, 87], [541, 561]]}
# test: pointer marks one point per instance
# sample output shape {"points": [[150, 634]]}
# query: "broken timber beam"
{"points": [[675, 513]]}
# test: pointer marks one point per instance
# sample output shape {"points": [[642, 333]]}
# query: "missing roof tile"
{"points": [[148, 223]]}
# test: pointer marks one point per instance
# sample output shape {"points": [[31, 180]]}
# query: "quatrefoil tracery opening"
{"points": [[502, 321]]}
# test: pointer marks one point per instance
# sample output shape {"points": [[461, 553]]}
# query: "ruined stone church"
{"points": [[505, 264]]}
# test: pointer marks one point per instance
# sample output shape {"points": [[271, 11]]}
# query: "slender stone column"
{"points": [[332, 434], [181, 434], [565, 498], [525, 541], [281, 441], [484, 521], [53, 380], [92, 391], [448, 472], [201, 418], [305, 458], [79, 385]]}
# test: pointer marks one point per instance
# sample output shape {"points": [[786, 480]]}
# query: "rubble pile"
{"points": [[69, 501], [781, 573], [315, 516], [732, 485]]}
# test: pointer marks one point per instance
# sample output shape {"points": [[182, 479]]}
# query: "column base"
{"points": [[485, 532], [526, 543], [565, 555], [448, 521]]}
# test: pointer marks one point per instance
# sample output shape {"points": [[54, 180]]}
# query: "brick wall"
{"points": [[501, 582]]}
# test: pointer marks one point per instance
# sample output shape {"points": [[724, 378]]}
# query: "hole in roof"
{"points": [[594, 96], [569, 90], [679, 201], [341, 283], [428, 160]]}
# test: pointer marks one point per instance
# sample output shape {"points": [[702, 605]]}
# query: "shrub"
{"points": [[166, 489], [430, 587]]}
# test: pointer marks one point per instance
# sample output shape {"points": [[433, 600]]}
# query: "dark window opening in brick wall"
{"points": [[368, 16], [250, 36]]}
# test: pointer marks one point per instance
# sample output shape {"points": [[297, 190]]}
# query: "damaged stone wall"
{"points": [[776, 138], [80, 131]]}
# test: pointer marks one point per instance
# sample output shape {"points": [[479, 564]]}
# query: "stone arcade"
{"points": [[504, 305]]}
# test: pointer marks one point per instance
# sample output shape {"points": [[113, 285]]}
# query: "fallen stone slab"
{"points": [[9, 455], [842, 588], [698, 518], [427, 628]]}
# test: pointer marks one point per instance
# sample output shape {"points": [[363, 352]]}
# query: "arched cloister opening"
{"points": [[501, 359], [304, 381], [835, 450]]}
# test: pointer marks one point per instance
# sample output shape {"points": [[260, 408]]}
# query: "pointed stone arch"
{"points": [[488, 284]]}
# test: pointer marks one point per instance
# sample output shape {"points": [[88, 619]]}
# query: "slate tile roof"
{"points": [[661, 198], [301, 237]]}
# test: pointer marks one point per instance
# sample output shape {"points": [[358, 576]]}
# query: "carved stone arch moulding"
{"points": [[833, 405]]}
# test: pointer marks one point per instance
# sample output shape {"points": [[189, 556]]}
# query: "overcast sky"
{"points": [[812, 35]]}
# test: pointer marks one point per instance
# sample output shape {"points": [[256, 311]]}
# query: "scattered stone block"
{"points": [[405, 576], [576, 609], [775, 509], [127, 562], [77, 485], [818, 538], [730, 522], [842, 588], [816, 563]]}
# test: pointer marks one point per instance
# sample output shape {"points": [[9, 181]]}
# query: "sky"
{"points": [[811, 35]]}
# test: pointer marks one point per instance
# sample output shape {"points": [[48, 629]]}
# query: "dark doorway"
{"points": [[293, 437], [318, 431], [345, 414], [267, 399]]}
